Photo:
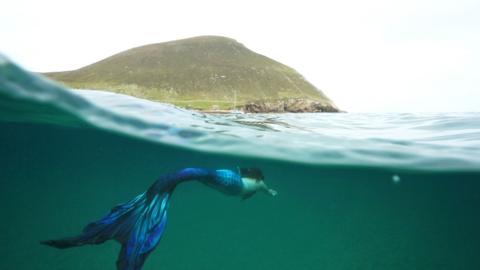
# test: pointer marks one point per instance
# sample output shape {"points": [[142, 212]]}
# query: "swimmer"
{"points": [[139, 223]]}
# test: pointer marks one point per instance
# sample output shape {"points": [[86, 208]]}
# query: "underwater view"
{"points": [[355, 190]]}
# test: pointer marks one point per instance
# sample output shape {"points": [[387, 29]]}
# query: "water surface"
{"points": [[356, 191]]}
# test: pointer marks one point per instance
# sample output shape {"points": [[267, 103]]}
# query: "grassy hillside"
{"points": [[202, 72]]}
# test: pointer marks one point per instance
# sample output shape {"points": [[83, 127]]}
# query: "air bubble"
{"points": [[396, 178]]}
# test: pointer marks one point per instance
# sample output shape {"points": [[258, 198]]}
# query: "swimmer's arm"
{"points": [[269, 191]]}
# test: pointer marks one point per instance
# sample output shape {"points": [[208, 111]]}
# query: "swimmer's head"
{"points": [[252, 173], [252, 179]]}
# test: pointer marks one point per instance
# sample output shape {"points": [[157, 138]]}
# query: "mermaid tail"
{"points": [[137, 225]]}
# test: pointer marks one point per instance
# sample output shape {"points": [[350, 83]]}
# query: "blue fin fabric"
{"points": [[139, 223]]}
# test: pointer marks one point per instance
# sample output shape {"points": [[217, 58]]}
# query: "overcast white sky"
{"points": [[373, 56]]}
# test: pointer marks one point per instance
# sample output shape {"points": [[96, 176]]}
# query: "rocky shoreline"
{"points": [[294, 105]]}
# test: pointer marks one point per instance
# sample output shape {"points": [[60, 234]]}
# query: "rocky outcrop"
{"points": [[295, 105]]}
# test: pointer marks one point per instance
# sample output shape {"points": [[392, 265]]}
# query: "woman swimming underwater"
{"points": [[139, 223]]}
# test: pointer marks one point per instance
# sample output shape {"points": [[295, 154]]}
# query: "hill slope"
{"points": [[202, 72]]}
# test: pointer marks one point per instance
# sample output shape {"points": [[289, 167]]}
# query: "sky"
{"points": [[367, 56]]}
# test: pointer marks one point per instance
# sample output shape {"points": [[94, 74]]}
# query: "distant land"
{"points": [[206, 73]]}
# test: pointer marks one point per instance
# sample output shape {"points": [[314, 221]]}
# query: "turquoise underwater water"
{"points": [[356, 191]]}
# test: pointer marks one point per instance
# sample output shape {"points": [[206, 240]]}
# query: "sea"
{"points": [[355, 190]]}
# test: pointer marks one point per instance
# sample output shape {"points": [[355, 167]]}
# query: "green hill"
{"points": [[205, 72]]}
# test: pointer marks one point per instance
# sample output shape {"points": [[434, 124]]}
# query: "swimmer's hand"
{"points": [[272, 192]]}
